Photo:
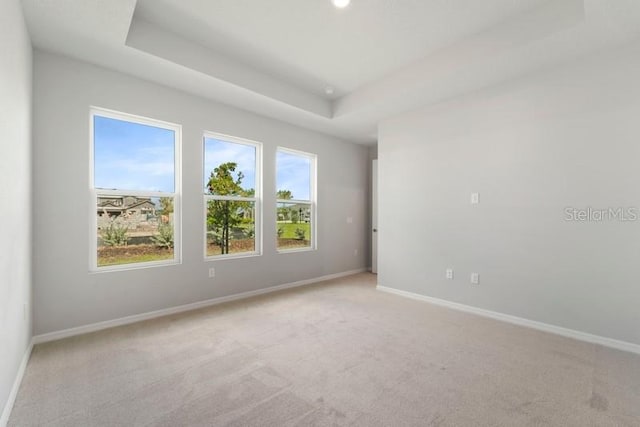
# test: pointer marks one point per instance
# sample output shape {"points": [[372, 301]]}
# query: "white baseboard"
{"points": [[558, 330], [93, 327], [6, 412]]}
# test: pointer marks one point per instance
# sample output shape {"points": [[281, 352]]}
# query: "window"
{"points": [[135, 191], [295, 193], [231, 196]]}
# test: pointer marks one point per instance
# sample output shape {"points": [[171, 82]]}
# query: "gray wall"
{"points": [[15, 193], [531, 147], [67, 295]]}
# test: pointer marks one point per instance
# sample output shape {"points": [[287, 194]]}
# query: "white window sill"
{"points": [[232, 256], [134, 266], [293, 251]]}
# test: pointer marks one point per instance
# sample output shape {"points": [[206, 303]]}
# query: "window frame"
{"points": [[256, 199], [313, 202], [95, 193]]}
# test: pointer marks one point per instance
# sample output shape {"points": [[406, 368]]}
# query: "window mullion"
{"points": [[230, 198]]}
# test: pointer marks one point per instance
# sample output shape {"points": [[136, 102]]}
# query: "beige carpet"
{"points": [[338, 353]]}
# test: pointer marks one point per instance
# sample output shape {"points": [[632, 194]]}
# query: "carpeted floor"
{"points": [[337, 353]]}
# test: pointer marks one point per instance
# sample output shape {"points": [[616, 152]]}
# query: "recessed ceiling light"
{"points": [[341, 4], [328, 90]]}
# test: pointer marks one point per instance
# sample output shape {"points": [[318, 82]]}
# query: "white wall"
{"points": [[531, 148], [15, 193], [65, 293]]}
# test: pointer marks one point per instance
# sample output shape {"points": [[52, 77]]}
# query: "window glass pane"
{"points": [[232, 167], [133, 229], [293, 225], [133, 156], [230, 171], [293, 179], [231, 227]]}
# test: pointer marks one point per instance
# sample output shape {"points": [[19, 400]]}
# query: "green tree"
{"points": [[283, 211], [294, 214], [166, 205], [284, 195], [223, 215]]}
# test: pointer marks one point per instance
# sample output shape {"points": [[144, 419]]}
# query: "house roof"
{"points": [[121, 205]]}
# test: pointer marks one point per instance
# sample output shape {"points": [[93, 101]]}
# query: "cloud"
{"points": [[294, 174], [218, 152], [133, 156]]}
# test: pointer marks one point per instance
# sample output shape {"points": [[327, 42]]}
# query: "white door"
{"points": [[374, 217]]}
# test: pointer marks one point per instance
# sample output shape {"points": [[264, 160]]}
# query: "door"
{"points": [[374, 217]]}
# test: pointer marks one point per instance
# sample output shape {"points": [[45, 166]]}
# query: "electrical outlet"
{"points": [[475, 278], [212, 272], [475, 198], [449, 274]]}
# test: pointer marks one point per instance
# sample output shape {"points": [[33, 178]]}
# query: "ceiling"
{"points": [[381, 57], [314, 44]]}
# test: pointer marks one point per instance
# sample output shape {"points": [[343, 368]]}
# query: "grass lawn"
{"points": [[116, 255], [289, 239], [290, 230]]}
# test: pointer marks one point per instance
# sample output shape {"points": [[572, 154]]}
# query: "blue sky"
{"points": [[217, 152], [132, 156], [294, 174]]}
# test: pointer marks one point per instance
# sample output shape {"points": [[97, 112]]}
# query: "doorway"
{"points": [[374, 216]]}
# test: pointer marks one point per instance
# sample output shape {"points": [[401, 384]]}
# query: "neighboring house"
{"points": [[114, 206], [294, 212], [244, 213]]}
